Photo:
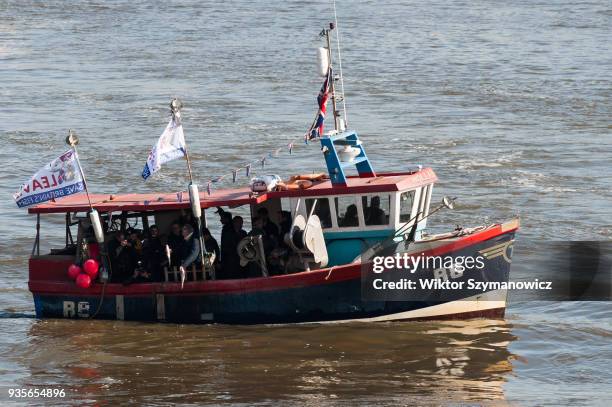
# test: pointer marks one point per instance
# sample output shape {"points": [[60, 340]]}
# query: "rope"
{"points": [[329, 274], [249, 165], [110, 273], [271, 154], [274, 153]]}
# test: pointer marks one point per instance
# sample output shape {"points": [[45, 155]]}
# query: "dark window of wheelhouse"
{"points": [[376, 209], [406, 201], [321, 210], [346, 211]]}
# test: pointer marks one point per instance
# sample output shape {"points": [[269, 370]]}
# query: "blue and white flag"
{"points": [[61, 177], [171, 145]]}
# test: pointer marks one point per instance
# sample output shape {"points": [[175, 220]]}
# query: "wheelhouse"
{"points": [[348, 220]]}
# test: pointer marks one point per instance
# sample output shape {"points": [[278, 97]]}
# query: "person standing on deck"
{"points": [[123, 258], [175, 242], [269, 227], [227, 247], [239, 234], [193, 251], [153, 254], [237, 223], [188, 218], [269, 241], [285, 227], [135, 242], [211, 245]]}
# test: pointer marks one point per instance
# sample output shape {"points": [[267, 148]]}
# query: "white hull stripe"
{"points": [[490, 300]]}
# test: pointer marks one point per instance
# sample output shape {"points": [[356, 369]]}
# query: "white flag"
{"points": [[61, 177], [171, 145]]}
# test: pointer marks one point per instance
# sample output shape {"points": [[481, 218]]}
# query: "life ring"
{"points": [[309, 177], [294, 185]]}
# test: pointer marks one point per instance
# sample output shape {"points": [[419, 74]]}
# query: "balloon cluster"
{"points": [[84, 276]]}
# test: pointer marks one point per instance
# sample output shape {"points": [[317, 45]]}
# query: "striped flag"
{"points": [[317, 127]]}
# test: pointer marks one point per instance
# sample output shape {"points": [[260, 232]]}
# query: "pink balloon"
{"points": [[73, 271], [91, 267], [83, 280]]}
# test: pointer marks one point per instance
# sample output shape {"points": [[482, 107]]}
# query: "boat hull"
{"points": [[329, 295]]}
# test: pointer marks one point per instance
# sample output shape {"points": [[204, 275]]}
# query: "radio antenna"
{"points": [[340, 64]]}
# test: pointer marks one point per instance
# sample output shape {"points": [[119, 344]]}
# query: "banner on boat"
{"points": [[61, 177], [170, 146]]}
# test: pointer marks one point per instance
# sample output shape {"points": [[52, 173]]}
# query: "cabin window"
{"points": [[346, 210], [376, 209], [406, 202], [322, 210]]}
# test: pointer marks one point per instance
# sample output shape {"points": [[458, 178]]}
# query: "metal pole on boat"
{"points": [[332, 79], [340, 65], [447, 202], [67, 226], [72, 140], [36, 247], [194, 195], [175, 109]]}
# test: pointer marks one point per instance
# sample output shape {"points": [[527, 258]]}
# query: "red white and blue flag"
{"points": [[316, 130]]}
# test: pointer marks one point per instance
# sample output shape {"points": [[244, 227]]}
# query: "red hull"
{"points": [[48, 274]]}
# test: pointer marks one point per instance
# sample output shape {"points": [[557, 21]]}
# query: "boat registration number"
{"points": [[79, 309]]}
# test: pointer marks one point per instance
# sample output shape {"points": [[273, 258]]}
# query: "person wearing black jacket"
{"points": [[211, 245], [228, 252], [268, 226], [237, 224], [153, 254], [176, 243], [123, 258]]}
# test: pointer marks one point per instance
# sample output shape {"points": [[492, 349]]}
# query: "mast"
{"points": [[344, 148], [194, 195], [72, 140], [343, 100], [332, 79]]}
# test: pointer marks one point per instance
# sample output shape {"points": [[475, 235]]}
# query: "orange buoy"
{"points": [[309, 177], [293, 185]]}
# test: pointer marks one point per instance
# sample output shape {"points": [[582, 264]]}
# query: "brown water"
{"points": [[510, 103]]}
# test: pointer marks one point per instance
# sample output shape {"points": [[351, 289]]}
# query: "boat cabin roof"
{"points": [[384, 182]]}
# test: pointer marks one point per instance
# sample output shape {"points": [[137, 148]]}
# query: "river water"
{"points": [[510, 103]]}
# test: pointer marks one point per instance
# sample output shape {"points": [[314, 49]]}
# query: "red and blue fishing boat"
{"points": [[339, 224]]}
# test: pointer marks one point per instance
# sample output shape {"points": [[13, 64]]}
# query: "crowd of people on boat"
{"points": [[136, 259]]}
